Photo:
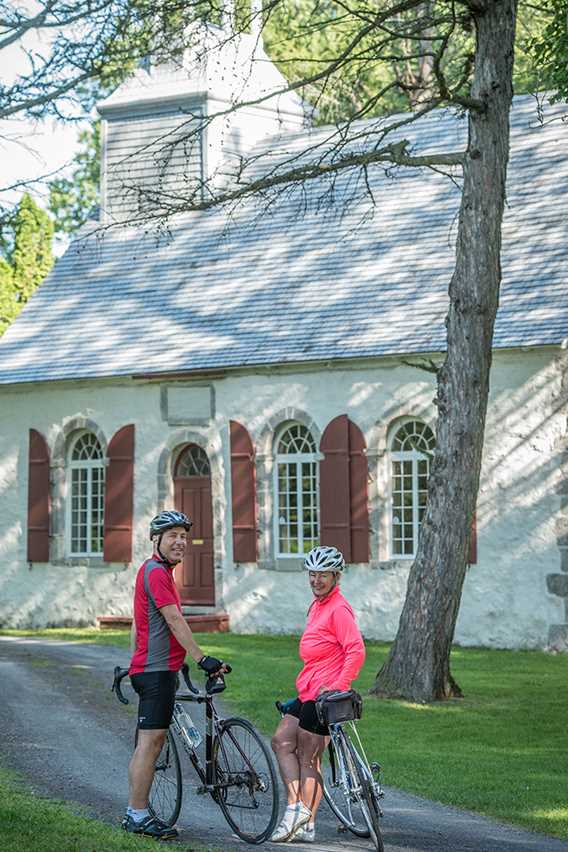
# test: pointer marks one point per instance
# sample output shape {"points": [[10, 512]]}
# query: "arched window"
{"points": [[411, 452], [296, 489], [193, 461], [86, 492]]}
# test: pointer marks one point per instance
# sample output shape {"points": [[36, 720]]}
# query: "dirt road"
{"points": [[66, 733]]}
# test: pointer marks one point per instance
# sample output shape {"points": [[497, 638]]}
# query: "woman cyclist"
{"points": [[333, 653]]}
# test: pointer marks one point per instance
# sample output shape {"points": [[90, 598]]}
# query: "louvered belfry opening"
{"points": [[153, 156], [344, 509]]}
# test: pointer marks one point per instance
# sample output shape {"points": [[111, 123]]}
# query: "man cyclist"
{"points": [[163, 638]]}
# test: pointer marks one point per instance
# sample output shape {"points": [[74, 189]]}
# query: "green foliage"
{"points": [[303, 38], [32, 256], [28, 258], [71, 199], [548, 50], [8, 301]]}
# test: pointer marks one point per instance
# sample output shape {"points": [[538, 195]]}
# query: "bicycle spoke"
{"points": [[246, 781]]}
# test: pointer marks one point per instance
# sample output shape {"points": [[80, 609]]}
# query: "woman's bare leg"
{"points": [[284, 744], [310, 749]]}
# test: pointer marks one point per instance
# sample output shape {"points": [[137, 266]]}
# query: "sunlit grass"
{"points": [[31, 823], [501, 751]]}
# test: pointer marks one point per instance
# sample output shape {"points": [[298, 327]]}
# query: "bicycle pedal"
{"points": [[376, 767], [201, 790], [341, 829]]}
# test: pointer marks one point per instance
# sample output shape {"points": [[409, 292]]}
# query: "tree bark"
{"points": [[418, 666]]}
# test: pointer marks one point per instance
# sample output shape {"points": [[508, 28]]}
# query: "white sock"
{"points": [[137, 814]]}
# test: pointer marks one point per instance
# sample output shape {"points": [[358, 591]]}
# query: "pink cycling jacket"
{"points": [[331, 647]]}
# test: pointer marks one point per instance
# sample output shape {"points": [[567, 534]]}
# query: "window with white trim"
{"points": [[296, 487], [86, 496], [411, 452]]}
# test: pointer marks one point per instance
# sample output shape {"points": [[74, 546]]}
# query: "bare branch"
{"points": [[427, 364]]}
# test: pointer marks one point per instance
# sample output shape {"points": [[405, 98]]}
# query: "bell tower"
{"points": [[178, 126]]}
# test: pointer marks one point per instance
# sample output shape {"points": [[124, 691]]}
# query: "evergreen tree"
{"points": [[8, 301], [28, 261]]}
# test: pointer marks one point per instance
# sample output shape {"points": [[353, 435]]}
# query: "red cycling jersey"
{"points": [[157, 649]]}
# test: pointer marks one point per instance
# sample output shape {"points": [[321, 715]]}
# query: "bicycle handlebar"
{"points": [[119, 674], [214, 683]]}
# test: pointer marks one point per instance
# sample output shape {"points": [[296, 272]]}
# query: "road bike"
{"points": [[351, 784], [237, 771]]}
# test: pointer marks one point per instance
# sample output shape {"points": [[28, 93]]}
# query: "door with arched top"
{"points": [[192, 491]]}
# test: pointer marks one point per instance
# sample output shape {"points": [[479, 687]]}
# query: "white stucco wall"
{"points": [[505, 601]]}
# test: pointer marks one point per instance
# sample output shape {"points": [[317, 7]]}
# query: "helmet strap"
{"points": [[159, 552]]}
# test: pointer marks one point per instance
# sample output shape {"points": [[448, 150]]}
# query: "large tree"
{"points": [[418, 665], [464, 54]]}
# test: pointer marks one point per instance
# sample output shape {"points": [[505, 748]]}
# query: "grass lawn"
{"points": [[501, 751], [34, 824]]}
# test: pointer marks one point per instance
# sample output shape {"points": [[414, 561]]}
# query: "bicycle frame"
{"points": [[371, 771]]}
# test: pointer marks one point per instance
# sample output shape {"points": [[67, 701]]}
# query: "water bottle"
{"points": [[189, 730]]}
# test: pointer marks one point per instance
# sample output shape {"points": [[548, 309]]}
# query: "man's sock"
{"points": [[137, 814]]}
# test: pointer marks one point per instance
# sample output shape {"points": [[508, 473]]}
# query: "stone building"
{"points": [[255, 369]]}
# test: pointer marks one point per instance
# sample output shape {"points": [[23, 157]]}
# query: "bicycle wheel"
{"points": [[367, 797], [339, 778], [166, 790], [245, 780]]}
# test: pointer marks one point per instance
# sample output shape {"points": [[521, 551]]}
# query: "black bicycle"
{"points": [[238, 770], [351, 784]]}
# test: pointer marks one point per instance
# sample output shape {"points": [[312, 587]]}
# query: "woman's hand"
{"points": [[323, 689]]}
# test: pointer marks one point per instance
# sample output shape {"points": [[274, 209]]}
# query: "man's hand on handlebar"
{"points": [[212, 666]]}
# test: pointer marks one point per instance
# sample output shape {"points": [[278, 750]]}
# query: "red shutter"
{"points": [[472, 555], [358, 488], [119, 493], [38, 498], [243, 485], [335, 503]]}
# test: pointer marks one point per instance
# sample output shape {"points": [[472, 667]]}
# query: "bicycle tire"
{"points": [[245, 781], [165, 797], [346, 807], [368, 799]]}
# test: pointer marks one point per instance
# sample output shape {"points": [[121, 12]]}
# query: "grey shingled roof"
{"points": [[288, 284]]}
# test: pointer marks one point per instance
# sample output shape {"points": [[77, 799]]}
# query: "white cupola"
{"points": [[173, 127]]}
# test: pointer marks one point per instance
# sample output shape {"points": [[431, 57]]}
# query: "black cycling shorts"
{"points": [[305, 712], [157, 693]]}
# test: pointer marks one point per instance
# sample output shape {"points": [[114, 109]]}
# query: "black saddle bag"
{"points": [[334, 707]]}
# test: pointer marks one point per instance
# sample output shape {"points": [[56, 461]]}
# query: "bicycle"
{"points": [[351, 784], [238, 773]]}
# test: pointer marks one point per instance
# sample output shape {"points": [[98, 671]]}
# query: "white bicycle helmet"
{"points": [[324, 559]]}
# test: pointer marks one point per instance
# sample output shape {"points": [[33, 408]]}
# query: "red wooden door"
{"points": [[195, 576]]}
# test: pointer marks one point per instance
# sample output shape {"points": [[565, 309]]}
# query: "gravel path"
{"points": [[66, 733]]}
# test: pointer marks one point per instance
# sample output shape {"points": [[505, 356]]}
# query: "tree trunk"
{"points": [[418, 666]]}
